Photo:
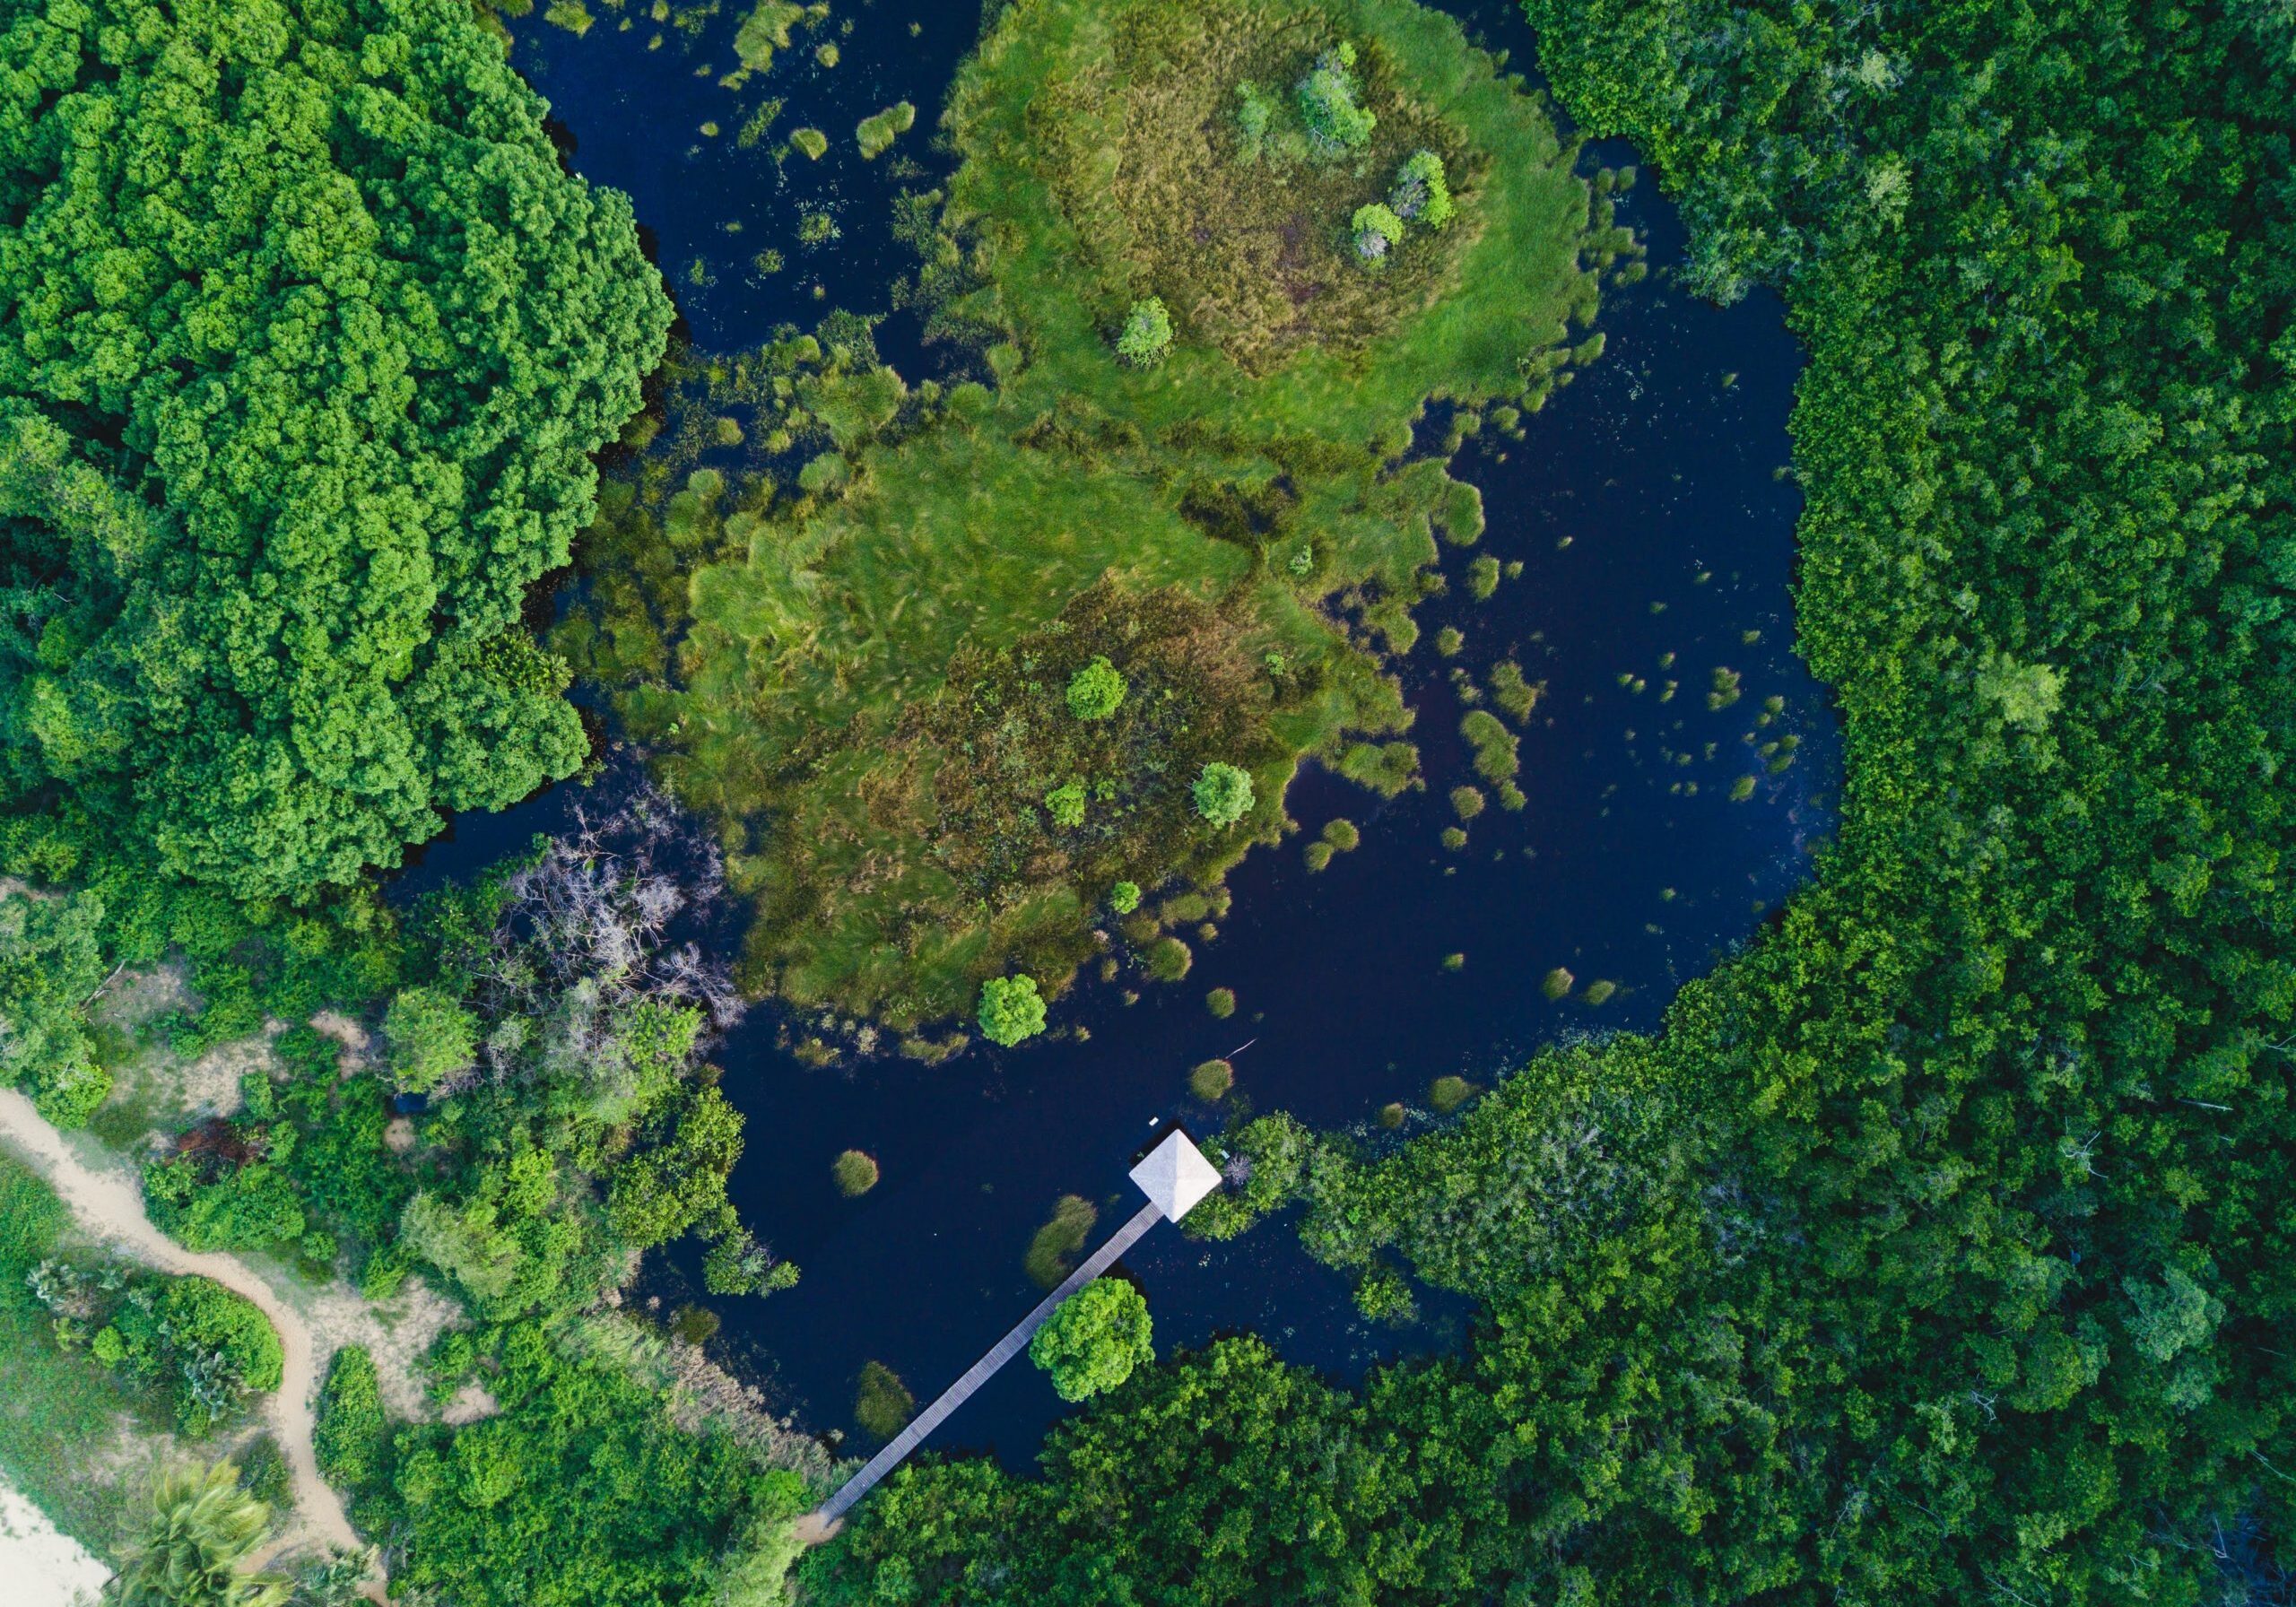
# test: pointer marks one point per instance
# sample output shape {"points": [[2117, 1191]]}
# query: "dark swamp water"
{"points": [[1648, 513]]}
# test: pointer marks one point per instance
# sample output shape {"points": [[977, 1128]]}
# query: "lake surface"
{"points": [[1651, 515]]}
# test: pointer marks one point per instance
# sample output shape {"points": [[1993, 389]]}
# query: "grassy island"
{"points": [[1193, 466]]}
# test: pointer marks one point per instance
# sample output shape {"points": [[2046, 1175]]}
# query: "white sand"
{"points": [[41, 1566]]}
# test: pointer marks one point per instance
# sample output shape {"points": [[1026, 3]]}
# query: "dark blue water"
{"points": [[1649, 515]]}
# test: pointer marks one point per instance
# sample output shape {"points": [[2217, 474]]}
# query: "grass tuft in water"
{"points": [[882, 1405], [1211, 1080], [855, 1173], [1052, 1253]]}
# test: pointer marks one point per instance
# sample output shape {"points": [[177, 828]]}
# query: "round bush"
{"points": [[1220, 1002], [1011, 1010], [1147, 333], [1097, 690], [1223, 794], [1124, 897], [1095, 1339]]}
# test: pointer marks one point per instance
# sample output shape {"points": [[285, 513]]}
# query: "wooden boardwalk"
{"points": [[825, 1519]]}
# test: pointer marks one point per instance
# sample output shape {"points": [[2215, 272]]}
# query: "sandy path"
{"points": [[110, 1206]]}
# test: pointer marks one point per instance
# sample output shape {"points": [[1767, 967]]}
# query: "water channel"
{"points": [[1651, 513]]}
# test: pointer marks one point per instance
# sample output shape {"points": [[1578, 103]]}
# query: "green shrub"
{"points": [[1318, 854], [855, 1173], [1466, 803], [1255, 116], [1483, 578], [206, 1204], [1335, 122], [349, 1440], [1392, 1114], [1449, 640], [1377, 230], [209, 1345], [1147, 333], [1384, 1296], [1422, 194], [1341, 833], [1220, 1002], [813, 142], [1066, 803], [1010, 1009], [1453, 838], [1097, 690], [1598, 992], [1095, 1339], [1558, 983], [431, 1038], [1124, 897], [1223, 794]]}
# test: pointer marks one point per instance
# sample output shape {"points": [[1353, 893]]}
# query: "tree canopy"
{"points": [[305, 338], [1095, 1339]]}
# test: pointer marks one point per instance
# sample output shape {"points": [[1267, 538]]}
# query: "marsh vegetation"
{"points": [[854, 629]]}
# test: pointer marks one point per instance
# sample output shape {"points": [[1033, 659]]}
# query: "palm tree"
{"points": [[203, 1526]]}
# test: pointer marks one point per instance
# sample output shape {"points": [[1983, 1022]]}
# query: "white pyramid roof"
{"points": [[1175, 1175]]}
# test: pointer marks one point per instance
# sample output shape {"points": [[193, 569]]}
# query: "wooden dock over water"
{"points": [[981, 1371]]}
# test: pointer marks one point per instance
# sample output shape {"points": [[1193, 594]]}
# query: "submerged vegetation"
{"points": [[1187, 483]]}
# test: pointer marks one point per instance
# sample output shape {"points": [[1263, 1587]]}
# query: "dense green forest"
{"points": [[1938, 1249], [1934, 1251], [309, 339]]}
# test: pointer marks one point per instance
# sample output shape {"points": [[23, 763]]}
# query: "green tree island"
{"points": [[1095, 1339], [861, 672], [309, 339]]}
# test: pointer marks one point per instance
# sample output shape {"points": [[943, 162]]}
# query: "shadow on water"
{"points": [[1650, 517]]}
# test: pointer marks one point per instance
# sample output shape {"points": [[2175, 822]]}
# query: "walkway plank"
{"points": [[981, 1371]]}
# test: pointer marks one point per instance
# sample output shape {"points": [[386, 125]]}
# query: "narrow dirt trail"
{"points": [[110, 1206]]}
